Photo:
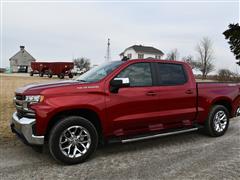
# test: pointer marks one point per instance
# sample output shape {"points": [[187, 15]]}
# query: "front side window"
{"points": [[171, 74], [139, 74]]}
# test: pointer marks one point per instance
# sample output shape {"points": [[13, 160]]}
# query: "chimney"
{"points": [[22, 48]]}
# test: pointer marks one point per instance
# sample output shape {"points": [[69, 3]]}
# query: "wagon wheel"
{"points": [[50, 74], [61, 75], [70, 75], [41, 74]]}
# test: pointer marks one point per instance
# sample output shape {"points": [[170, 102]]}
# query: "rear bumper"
{"points": [[23, 128]]}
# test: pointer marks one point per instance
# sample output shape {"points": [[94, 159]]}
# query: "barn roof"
{"points": [[22, 50]]}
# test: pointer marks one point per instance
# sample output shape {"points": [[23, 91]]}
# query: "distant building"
{"points": [[21, 61], [141, 52], [2, 70]]}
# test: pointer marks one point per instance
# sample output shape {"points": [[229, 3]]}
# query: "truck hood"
{"points": [[36, 88]]}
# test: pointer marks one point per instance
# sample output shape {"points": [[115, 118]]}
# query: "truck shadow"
{"points": [[184, 141]]}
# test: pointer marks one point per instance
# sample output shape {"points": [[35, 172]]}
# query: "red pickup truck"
{"points": [[121, 101]]}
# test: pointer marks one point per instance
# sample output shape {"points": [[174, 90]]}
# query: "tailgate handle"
{"points": [[151, 93], [189, 91]]}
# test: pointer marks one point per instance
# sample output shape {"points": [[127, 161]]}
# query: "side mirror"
{"points": [[118, 83]]}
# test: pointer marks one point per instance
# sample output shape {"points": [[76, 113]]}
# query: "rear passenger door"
{"points": [[176, 93]]}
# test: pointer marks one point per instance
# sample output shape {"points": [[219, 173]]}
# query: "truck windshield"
{"points": [[98, 73]]}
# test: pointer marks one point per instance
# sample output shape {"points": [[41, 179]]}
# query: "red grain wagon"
{"points": [[60, 69]]}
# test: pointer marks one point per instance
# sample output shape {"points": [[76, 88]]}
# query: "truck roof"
{"points": [[157, 60]]}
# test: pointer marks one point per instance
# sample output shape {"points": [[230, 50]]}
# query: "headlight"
{"points": [[34, 99]]}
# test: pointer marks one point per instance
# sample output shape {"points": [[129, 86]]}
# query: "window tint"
{"points": [[97, 73], [171, 74], [139, 74]]}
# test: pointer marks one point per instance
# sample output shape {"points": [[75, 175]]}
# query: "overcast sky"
{"points": [[61, 31]]}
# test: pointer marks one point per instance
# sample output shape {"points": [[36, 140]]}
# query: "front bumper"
{"points": [[23, 127]]}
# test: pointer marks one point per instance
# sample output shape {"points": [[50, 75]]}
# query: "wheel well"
{"points": [[226, 104], [92, 116]]}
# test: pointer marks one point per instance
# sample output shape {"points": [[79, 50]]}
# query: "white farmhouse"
{"points": [[141, 52], [21, 61]]}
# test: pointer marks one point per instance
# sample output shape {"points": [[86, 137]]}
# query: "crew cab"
{"points": [[121, 101]]}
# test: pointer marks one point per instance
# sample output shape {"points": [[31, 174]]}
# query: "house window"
{"points": [[157, 57], [129, 56], [140, 56]]}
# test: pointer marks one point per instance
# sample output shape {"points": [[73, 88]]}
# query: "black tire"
{"points": [[50, 74], [41, 74], [61, 75], [31, 73], [70, 75], [60, 128], [210, 127]]}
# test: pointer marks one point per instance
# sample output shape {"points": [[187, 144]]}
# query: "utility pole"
{"points": [[108, 55]]}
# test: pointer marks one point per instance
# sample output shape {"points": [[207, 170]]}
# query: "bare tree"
{"points": [[225, 75], [82, 63], [205, 57], [173, 55]]}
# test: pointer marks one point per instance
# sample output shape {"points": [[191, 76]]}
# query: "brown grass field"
{"points": [[8, 85]]}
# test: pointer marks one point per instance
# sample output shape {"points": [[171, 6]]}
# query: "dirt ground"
{"points": [[8, 85], [182, 157]]}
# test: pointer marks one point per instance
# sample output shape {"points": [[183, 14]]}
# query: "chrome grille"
{"points": [[21, 106]]}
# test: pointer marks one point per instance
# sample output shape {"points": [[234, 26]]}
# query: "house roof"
{"points": [[22, 51], [144, 49]]}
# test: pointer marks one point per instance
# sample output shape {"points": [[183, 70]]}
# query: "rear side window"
{"points": [[139, 74], [171, 74]]}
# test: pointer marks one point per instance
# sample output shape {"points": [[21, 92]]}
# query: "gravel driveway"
{"points": [[185, 156]]}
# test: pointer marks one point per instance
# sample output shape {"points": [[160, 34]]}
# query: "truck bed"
{"points": [[228, 92]]}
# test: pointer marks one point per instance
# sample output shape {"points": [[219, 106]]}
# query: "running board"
{"points": [[158, 135]]}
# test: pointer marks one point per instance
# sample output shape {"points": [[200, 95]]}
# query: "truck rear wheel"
{"points": [[73, 140], [218, 121]]}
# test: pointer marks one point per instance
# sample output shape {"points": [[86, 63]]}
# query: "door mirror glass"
{"points": [[120, 82], [117, 83]]}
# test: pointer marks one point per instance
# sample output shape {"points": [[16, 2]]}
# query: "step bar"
{"points": [[158, 135]]}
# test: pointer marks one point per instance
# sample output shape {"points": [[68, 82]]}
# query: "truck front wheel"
{"points": [[218, 121], [73, 140]]}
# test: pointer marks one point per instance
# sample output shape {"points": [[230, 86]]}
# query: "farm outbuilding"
{"points": [[21, 61]]}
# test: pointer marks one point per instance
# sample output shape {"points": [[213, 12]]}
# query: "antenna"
{"points": [[108, 56]]}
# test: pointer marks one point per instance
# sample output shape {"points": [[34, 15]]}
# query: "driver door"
{"points": [[132, 109]]}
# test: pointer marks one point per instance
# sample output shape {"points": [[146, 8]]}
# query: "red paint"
{"points": [[131, 110]]}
